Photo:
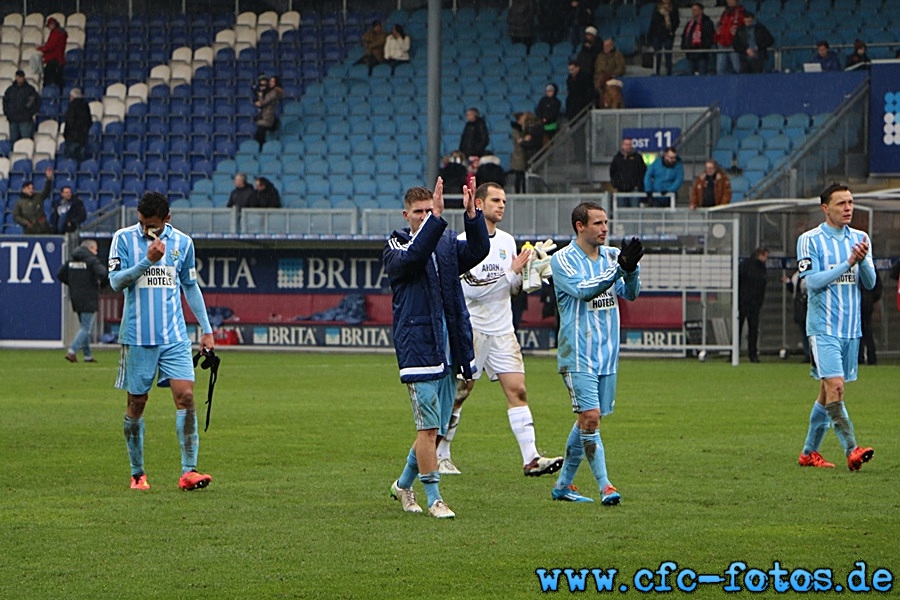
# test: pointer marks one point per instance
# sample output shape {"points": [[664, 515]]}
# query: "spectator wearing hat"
{"points": [[78, 125], [54, 53], [590, 48], [20, 105]]}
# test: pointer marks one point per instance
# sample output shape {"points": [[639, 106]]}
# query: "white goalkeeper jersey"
{"points": [[153, 314], [587, 294], [490, 284]]}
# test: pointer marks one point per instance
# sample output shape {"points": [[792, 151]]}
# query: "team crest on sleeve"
{"points": [[114, 264], [804, 264], [503, 253]]}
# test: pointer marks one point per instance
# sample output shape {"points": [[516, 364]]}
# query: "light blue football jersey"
{"points": [[587, 294], [153, 313], [834, 310]]}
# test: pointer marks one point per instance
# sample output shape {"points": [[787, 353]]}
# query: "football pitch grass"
{"points": [[303, 447]]}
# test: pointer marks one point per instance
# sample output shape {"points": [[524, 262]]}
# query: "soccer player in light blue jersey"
{"points": [[834, 259], [152, 263], [589, 278]]}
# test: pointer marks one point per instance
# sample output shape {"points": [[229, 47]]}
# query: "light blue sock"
{"points": [[410, 471], [134, 442], [574, 456], [596, 457], [819, 422], [843, 426], [430, 481], [188, 438]]}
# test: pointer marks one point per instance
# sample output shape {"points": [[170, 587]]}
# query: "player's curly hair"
{"points": [[154, 204]]}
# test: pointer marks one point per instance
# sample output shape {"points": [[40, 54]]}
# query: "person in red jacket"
{"points": [[54, 53], [732, 17]]}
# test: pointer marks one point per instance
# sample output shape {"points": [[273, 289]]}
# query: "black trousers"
{"points": [[751, 316], [53, 74]]}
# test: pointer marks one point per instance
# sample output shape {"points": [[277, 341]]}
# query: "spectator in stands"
{"points": [[661, 34], [527, 135], [21, 103], [711, 188], [698, 35], [826, 57], [626, 172], [54, 54], [475, 137], [609, 64], [78, 125], [373, 41], [548, 110], [664, 176], [580, 90], [242, 194], [266, 195], [727, 60], [752, 42], [267, 118], [590, 48], [581, 17], [860, 56], [67, 213], [490, 170], [520, 22], [454, 172], [396, 47], [552, 21], [29, 210]]}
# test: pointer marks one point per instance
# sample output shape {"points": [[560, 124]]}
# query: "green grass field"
{"points": [[303, 448]]}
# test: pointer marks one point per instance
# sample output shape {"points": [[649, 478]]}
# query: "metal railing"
{"points": [[838, 147]]}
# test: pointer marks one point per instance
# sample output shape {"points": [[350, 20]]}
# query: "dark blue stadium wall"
{"points": [[810, 93]]}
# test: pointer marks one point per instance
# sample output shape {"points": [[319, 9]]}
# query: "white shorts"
{"points": [[496, 354]]}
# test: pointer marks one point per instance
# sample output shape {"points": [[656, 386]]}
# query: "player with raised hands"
{"points": [[432, 333], [487, 288], [589, 278]]}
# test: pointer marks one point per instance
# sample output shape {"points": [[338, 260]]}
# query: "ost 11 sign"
{"points": [[652, 139]]}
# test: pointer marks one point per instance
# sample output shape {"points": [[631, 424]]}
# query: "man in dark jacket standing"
{"points": [[85, 275], [20, 105], [475, 138], [432, 332], [78, 125], [751, 293], [67, 213], [752, 42], [627, 170], [29, 210]]}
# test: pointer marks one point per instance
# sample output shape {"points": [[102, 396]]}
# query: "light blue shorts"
{"points": [[834, 357], [138, 366], [590, 392], [432, 403]]}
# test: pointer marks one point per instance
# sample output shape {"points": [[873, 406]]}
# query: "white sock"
{"points": [[522, 425], [443, 449]]}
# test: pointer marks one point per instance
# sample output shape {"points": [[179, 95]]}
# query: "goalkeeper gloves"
{"points": [[630, 255], [538, 267]]}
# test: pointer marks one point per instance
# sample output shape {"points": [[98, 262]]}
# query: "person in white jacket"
{"points": [[396, 48]]}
